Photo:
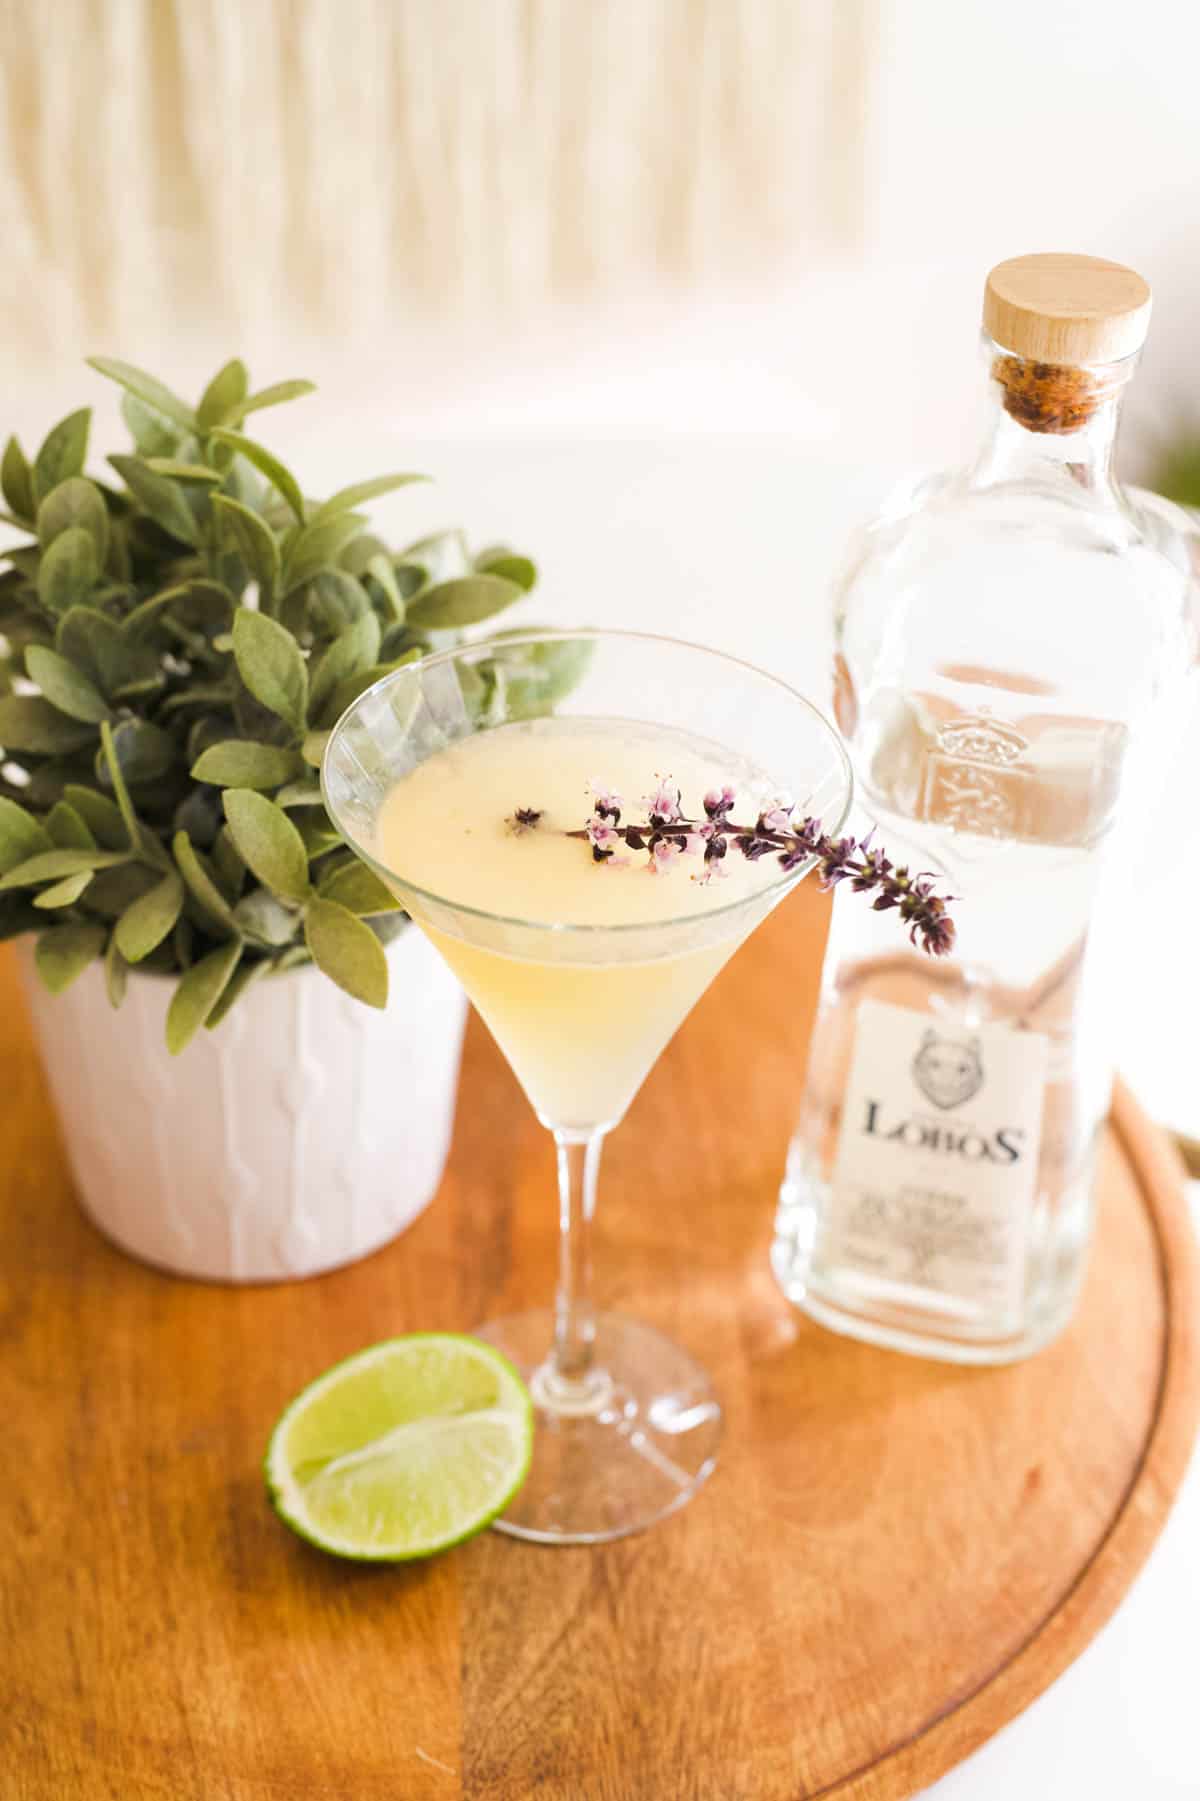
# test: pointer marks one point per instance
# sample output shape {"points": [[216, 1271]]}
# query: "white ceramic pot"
{"points": [[305, 1131]]}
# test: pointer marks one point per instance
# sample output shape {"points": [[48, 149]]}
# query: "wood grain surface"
{"points": [[893, 1558]]}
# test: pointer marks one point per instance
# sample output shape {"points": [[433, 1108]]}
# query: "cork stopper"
{"points": [[1066, 310]]}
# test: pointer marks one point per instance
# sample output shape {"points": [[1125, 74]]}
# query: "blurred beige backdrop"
{"points": [[637, 216], [346, 161]]}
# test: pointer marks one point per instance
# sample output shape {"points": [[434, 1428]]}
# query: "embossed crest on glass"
{"points": [[1013, 641], [459, 779]]}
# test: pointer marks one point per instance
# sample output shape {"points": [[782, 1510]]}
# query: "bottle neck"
{"points": [[1052, 423]]}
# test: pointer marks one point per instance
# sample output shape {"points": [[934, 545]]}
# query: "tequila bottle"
{"points": [[1012, 641]]}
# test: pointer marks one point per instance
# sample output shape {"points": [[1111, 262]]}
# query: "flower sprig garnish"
{"points": [[668, 834]]}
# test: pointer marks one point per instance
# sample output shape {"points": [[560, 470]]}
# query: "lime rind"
{"points": [[431, 1478]]}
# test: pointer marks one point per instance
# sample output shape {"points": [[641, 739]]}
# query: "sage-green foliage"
{"points": [[1176, 472], [173, 651]]}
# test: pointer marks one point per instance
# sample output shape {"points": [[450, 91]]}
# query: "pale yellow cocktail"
{"points": [[580, 1033], [583, 969]]}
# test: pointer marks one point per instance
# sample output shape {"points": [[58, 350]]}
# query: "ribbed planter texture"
{"points": [[302, 1133]]}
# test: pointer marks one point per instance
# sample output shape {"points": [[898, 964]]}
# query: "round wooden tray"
{"points": [[893, 1558]]}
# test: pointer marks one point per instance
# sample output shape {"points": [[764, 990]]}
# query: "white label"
{"points": [[936, 1165]]}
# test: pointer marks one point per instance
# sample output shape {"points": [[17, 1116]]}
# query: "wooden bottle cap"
{"points": [[1066, 309]]}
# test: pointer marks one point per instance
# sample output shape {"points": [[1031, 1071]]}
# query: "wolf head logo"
{"points": [[948, 1071]]}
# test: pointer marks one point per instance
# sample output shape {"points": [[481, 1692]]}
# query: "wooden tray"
{"points": [[893, 1559]]}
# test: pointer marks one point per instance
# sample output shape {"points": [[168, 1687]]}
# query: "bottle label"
{"points": [[936, 1166]]}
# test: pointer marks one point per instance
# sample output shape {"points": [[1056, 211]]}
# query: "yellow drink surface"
{"points": [[581, 1023]]}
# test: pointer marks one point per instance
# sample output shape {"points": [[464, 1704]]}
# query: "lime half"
{"points": [[402, 1450]]}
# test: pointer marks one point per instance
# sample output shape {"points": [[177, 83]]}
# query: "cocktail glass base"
{"points": [[612, 1455]]}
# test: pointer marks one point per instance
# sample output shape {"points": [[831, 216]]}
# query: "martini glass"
{"points": [[584, 983]]}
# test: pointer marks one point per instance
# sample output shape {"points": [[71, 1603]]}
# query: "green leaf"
{"points": [[537, 676], [67, 829], [241, 763], [185, 472], [271, 664], [318, 835], [64, 893], [203, 694], [267, 842], [141, 621], [255, 542], [148, 921], [112, 890], [346, 499], [466, 601], [198, 993], [68, 570], [21, 835], [226, 390], [227, 862], [100, 816], [75, 502], [64, 687], [381, 571], [348, 691], [116, 974], [410, 579], [359, 890], [63, 453], [93, 642], [52, 865], [147, 389], [16, 481], [300, 794], [25, 560], [64, 952], [313, 748], [112, 764], [160, 498], [347, 951], [266, 918], [279, 476], [336, 599], [143, 752], [441, 557], [359, 551], [245, 973], [297, 956], [205, 606], [272, 396], [29, 723], [153, 435], [150, 847], [354, 649], [203, 889], [317, 547], [509, 565]]}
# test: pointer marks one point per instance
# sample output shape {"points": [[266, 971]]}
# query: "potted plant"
{"points": [[175, 649]]}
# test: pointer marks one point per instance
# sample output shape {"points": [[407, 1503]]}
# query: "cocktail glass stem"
{"points": [[580, 981], [569, 1381]]}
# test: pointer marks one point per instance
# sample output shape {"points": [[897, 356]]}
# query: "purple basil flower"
{"points": [[605, 803], [668, 834], [719, 801], [792, 859], [664, 803], [776, 816], [602, 837]]}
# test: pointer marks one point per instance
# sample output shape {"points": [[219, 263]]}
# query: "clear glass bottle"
{"points": [[1012, 641]]}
